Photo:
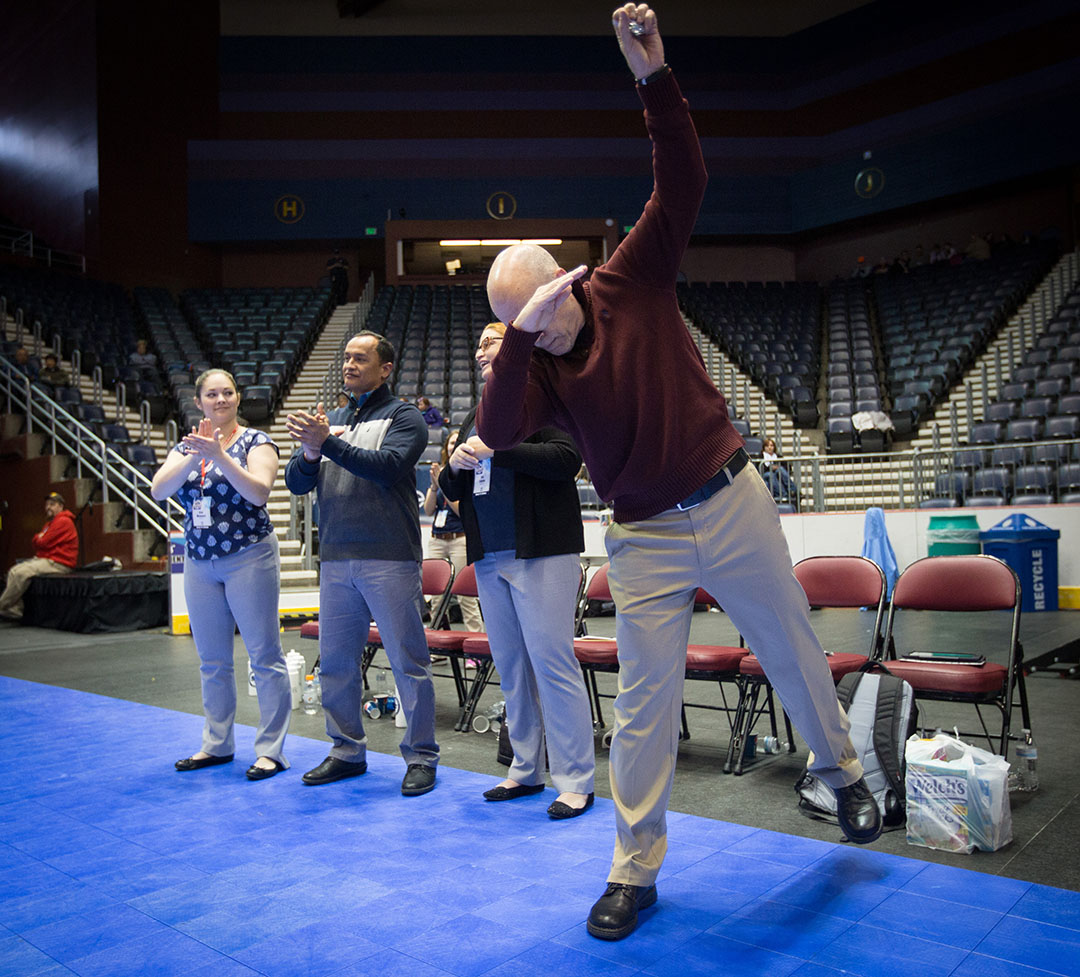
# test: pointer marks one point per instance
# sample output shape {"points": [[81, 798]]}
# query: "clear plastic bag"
{"points": [[957, 795]]}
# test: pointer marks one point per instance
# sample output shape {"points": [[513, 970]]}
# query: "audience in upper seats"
{"points": [[448, 534], [145, 362], [978, 248], [52, 373], [24, 363], [56, 550], [432, 415]]}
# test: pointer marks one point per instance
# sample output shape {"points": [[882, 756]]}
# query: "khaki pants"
{"points": [[18, 580], [731, 545]]}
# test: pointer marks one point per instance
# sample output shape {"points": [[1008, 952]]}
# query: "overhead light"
{"points": [[464, 243], [500, 242], [552, 241]]}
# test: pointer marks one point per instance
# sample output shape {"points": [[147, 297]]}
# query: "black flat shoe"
{"points": [[332, 769], [419, 779], [501, 793], [615, 914], [190, 763], [560, 811], [262, 773], [858, 813]]}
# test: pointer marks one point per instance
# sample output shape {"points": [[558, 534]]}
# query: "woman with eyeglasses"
{"points": [[523, 534], [222, 474]]}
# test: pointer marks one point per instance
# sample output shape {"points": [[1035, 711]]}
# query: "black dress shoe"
{"points": [[560, 811], [501, 793], [190, 763], [332, 769], [255, 772], [858, 813], [419, 779], [615, 913]]}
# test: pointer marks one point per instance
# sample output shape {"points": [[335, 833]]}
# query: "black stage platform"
{"points": [[93, 603]]}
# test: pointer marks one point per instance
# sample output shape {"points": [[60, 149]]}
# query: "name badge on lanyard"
{"points": [[200, 513], [440, 519], [482, 478]]}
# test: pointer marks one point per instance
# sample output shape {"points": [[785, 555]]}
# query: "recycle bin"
{"points": [[953, 535], [1030, 548]]}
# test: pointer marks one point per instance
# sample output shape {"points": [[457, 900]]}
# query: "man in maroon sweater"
{"points": [[610, 361], [56, 550]]}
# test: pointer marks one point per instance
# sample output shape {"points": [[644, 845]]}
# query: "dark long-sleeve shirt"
{"points": [[366, 480], [633, 392]]}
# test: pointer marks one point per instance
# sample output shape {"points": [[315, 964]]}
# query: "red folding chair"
{"points": [[951, 584]]}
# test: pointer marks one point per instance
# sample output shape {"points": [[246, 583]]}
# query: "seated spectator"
{"points": [[775, 474], [52, 374], [431, 413], [24, 364], [145, 362], [978, 248], [861, 269], [56, 550], [919, 257]]}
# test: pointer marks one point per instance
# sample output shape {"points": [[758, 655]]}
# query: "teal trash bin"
{"points": [[1030, 548], [953, 535]]}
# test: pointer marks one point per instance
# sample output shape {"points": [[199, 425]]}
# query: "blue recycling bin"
{"points": [[1030, 548]]}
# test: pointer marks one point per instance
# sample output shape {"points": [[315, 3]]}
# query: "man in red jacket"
{"points": [[56, 550]]}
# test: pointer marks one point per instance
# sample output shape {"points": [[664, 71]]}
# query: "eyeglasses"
{"points": [[486, 344]]}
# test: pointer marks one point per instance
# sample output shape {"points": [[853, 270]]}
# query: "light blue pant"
{"points": [[732, 545], [351, 594], [529, 610], [240, 591]]}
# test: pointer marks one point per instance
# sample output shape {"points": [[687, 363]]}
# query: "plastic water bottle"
{"points": [[307, 697], [317, 673], [381, 687], [771, 744], [1027, 760]]}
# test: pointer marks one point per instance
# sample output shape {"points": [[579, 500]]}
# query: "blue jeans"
{"points": [[351, 594]]}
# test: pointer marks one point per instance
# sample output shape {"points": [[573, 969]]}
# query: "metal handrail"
{"points": [[92, 456]]}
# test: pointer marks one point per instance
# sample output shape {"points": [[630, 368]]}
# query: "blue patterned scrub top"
{"points": [[236, 522]]}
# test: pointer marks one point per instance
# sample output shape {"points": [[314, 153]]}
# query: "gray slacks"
{"points": [[351, 594], [732, 545], [242, 588], [529, 608]]}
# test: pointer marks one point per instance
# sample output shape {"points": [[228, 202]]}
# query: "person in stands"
{"points": [[56, 550]]}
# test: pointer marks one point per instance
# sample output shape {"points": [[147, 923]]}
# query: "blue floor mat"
{"points": [[112, 864]]}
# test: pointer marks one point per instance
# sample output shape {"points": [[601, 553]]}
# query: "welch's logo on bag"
{"points": [[939, 786]]}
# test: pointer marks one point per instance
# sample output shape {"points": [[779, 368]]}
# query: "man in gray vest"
{"points": [[362, 460]]}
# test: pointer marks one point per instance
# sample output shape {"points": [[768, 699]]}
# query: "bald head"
{"points": [[515, 274]]}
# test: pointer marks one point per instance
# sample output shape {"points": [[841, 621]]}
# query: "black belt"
{"points": [[448, 535], [720, 480]]}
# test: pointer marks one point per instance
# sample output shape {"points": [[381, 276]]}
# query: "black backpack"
{"points": [[881, 709]]}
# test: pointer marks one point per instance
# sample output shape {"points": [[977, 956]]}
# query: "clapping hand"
{"points": [[310, 430], [204, 441]]}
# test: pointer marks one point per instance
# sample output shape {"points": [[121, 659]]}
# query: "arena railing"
{"points": [[119, 480]]}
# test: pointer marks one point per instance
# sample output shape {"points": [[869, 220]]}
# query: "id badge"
{"points": [[440, 519], [482, 478], [200, 513]]}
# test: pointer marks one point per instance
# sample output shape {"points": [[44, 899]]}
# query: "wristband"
{"points": [[662, 72]]}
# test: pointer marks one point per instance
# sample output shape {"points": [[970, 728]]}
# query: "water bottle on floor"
{"points": [[307, 697], [1026, 779]]}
